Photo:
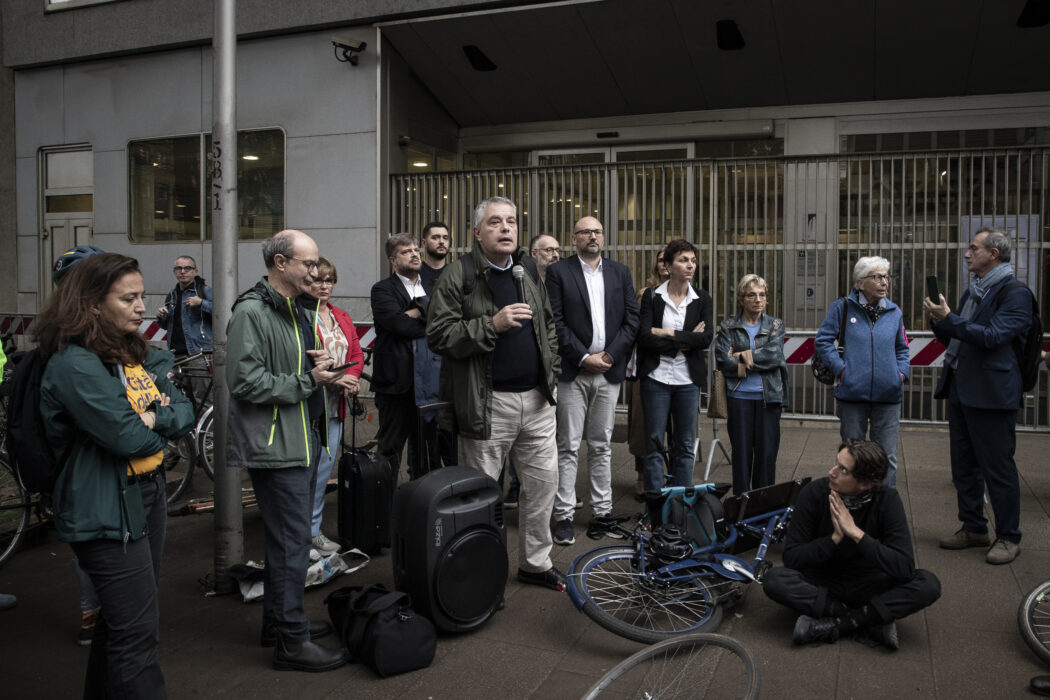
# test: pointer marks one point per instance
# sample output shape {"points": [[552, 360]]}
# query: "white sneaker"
{"points": [[325, 545]]}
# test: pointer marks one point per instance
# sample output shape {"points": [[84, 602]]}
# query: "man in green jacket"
{"points": [[500, 370], [275, 371]]}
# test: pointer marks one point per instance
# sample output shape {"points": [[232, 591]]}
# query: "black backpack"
{"points": [[27, 445], [1028, 350]]}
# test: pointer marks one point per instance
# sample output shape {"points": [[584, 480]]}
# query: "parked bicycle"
{"points": [[1033, 619], [681, 570], [689, 666], [181, 456]]}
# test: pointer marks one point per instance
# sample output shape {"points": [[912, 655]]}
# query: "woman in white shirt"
{"points": [[674, 333]]}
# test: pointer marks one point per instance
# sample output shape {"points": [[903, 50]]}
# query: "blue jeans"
{"points": [[325, 463], [884, 421], [677, 403]]}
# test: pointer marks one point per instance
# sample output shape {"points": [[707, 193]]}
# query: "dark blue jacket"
{"points": [[876, 361], [571, 305], [196, 320], [987, 374]]}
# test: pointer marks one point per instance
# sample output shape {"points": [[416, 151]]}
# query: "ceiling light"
{"points": [[420, 164], [250, 157]]}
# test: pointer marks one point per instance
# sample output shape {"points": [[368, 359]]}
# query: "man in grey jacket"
{"points": [[500, 367], [275, 371]]}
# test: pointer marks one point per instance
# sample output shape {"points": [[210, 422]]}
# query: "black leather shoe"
{"points": [[815, 629], [318, 629], [886, 635], [551, 578], [1040, 685], [307, 656]]}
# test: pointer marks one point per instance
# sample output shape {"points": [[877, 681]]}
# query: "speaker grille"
{"points": [[465, 590]]}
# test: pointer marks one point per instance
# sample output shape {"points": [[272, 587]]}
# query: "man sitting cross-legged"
{"points": [[848, 562]]}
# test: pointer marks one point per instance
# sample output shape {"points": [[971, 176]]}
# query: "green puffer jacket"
{"points": [[94, 431], [462, 332], [269, 382]]}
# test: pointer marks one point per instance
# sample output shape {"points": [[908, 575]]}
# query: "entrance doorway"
{"points": [[67, 190]]}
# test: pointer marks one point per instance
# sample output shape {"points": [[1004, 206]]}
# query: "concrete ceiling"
{"points": [[628, 57]]}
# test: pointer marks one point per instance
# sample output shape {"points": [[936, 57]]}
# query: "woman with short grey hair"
{"points": [[870, 374]]}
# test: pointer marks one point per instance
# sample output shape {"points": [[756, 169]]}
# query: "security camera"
{"points": [[346, 49]]}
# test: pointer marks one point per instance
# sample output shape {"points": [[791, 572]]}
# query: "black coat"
{"points": [[392, 367], [651, 347]]}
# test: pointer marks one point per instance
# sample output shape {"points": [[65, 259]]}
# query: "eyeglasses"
{"points": [[326, 281], [596, 232], [878, 278], [308, 264], [548, 251], [755, 295], [186, 268]]}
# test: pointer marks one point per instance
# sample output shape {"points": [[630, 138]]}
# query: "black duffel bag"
{"points": [[379, 628]]}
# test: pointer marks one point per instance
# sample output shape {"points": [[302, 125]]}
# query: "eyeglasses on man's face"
{"points": [[549, 251], [588, 232], [308, 264], [184, 268]]}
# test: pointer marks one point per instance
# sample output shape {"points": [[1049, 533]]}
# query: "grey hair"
{"points": [[997, 238], [479, 212], [748, 280], [281, 243], [398, 240], [187, 257], [866, 265]]}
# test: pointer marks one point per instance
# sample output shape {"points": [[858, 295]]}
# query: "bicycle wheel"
{"points": [[690, 666], [14, 512], [206, 442], [180, 456], [1033, 618], [646, 608]]}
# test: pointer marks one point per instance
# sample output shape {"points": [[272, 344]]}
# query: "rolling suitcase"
{"points": [[364, 497]]}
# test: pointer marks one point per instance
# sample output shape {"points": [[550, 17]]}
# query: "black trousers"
{"points": [[286, 501], [397, 424], [123, 659], [810, 593], [754, 433]]}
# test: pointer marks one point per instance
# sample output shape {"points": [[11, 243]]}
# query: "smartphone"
{"points": [[341, 368], [931, 289]]}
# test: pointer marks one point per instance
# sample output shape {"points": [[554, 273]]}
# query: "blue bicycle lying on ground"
{"points": [[680, 568]]}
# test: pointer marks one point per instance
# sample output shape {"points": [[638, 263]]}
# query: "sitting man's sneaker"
{"points": [[815, 629], [886, 635], [307, 656], [603, 526], [1002, 552], [963, 539], [325, 545], [551, 578], [318, 629], [87, 627], [1040, 685], [563, 533]]}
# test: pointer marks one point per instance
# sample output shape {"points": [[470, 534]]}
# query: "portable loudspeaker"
{"points": [[450, 546]]}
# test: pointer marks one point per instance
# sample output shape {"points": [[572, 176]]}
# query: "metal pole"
{"points": [[229, 527]]}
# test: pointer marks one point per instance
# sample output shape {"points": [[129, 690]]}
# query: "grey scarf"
{"points": [[978, 288]]}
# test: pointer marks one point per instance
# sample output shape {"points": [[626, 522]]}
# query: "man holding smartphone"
{"points": [[982, 381]]}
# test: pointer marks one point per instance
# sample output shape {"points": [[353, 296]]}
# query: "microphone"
{"points": [[518, 273]]}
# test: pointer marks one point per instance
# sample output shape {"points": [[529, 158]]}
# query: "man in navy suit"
{"points": [[398, 310], [982, 381], [596, 317]]}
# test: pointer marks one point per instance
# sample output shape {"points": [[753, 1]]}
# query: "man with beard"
{"points": [[436, 241]]}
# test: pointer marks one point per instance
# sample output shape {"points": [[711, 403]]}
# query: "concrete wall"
{"points": [[8, 230], [327, 110]]}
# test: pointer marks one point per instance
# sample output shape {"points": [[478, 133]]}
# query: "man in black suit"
{"points": [[596, 317], [981, 379], [398, 310]]}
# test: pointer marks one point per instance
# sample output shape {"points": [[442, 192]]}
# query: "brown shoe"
{"points": [[1002, 552], [963, 539]]}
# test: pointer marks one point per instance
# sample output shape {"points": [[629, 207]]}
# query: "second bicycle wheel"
{"points": [[690, 666], [1033, 619], [180, 456], [646, 609], [14, 512], [206, 442]]}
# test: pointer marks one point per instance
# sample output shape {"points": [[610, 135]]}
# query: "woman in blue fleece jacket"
{"points": [[874, 367]]}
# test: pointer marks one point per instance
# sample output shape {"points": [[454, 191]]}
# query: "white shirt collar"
{"points": [[662, 291]]}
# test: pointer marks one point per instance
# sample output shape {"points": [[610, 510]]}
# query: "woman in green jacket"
{"points": [[109, 409]]}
